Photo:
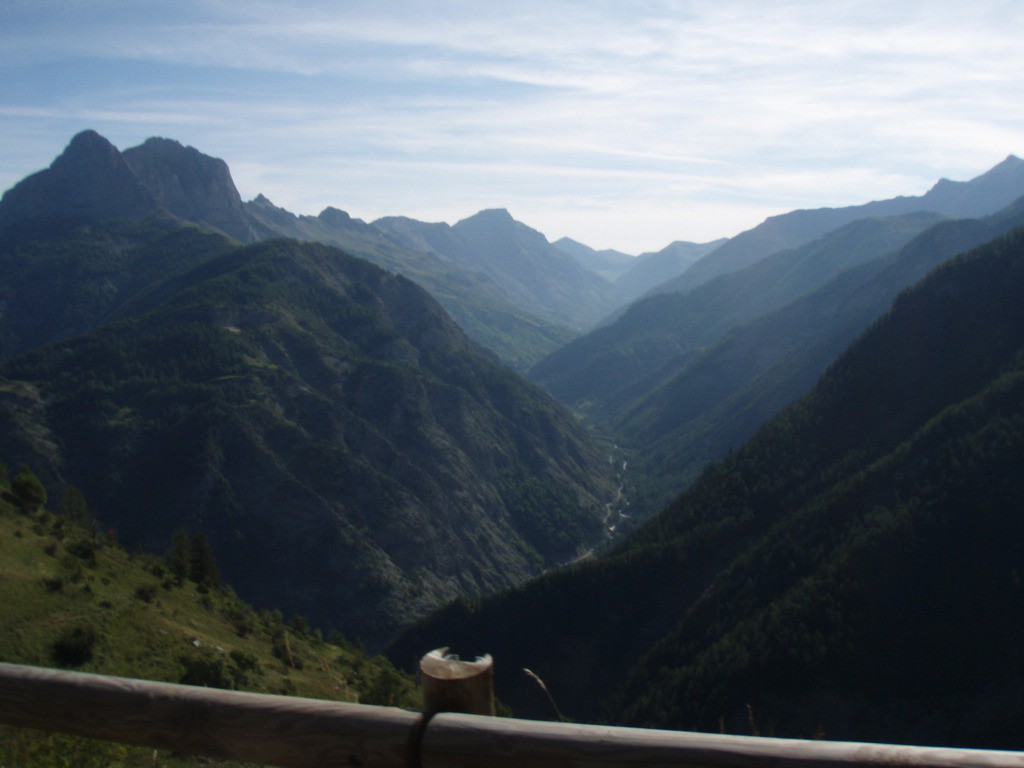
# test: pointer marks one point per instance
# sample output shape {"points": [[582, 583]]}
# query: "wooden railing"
{"points": [[287, 731]]}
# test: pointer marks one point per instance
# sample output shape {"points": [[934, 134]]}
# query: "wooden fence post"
{"points": [[452, 685]]}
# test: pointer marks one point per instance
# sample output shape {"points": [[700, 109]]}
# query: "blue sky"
{"points": [[621, 124]]}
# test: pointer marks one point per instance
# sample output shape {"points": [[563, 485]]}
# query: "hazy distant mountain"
{"points": [[849, 573], [652, 269], [350, 453], [988, 193], [534, 275], [435, 238], [608, 263], [89, 181], [661, 333], [331, 226]]}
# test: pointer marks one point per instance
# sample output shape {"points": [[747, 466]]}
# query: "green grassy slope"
{"points": [[73, 599]]}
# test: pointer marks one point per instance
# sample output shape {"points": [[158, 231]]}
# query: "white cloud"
{"points": [[701, 115]]}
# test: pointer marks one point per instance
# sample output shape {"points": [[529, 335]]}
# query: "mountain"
{"points": [[652, 269], [476, 302], [631, 276], [193, 186], [351, 455], [660, 334], [608, 263], [535, 276], [985, 194], [720, 397], [331, 226], [851, 572], [529, 268], [89, 181], [66, 280]]}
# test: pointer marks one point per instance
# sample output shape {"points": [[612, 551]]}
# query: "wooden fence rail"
{"points": [[287, 731]]}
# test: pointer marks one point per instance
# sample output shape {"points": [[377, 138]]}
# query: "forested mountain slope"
{"points": [[350, 453], [61, 280], [853, 571], [675, 424], [478, 303], [535, 275]]}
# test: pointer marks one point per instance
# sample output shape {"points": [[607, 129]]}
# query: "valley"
{"points": [[676, 484]]}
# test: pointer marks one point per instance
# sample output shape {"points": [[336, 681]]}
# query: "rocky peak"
{"points": [[995, 189], [89, 181], [340, 220], [490, 217], [191, 185]]}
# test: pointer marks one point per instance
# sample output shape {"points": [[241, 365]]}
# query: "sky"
{"points": [[623, 125]]}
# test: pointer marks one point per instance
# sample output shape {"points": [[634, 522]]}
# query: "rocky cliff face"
{"points": [[192, 186]]}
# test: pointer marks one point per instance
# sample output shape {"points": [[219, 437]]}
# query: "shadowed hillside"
{"points": [[852, 571]]}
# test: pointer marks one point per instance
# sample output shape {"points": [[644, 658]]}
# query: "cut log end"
{"points": [[452, 685]]}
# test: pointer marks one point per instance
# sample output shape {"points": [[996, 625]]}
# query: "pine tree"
{"points": [[179, 556], [204, 571]]}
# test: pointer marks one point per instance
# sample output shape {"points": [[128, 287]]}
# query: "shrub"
{"points": [[75, 646], [146, 592], [206, 670], [388, 688], [29, 492], [242, 621], [83, 549], [244, 663], [335, 637], [71, 569]]}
